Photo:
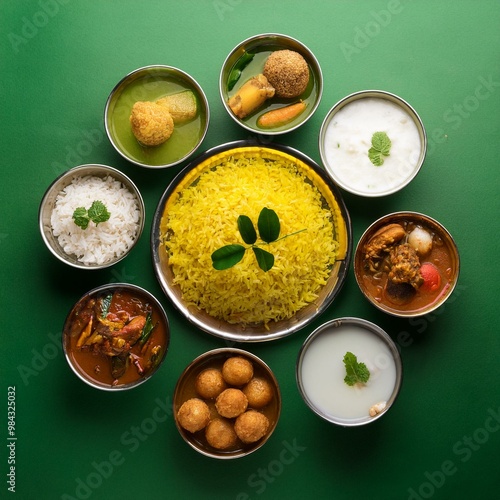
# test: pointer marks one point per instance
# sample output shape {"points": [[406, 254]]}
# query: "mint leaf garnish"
{"points": [[381, 147], [97, 213], [355, 372], [81, 218]]}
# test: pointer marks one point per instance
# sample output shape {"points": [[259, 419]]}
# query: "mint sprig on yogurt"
{"points": [[381, 147]]}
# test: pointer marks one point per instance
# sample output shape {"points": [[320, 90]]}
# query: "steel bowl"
{"points": [[345, 143], [320, 365], [261, 46], [49, 200], [275, 329], [97, 377], [449, 276], [151, 83], [185, 389]]}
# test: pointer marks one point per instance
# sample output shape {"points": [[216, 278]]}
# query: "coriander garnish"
{"points": [[96, 213], [356, 373], [269, 228], [381, 147]]}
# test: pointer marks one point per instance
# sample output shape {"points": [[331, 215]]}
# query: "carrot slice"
{"points": [[281, 116]]}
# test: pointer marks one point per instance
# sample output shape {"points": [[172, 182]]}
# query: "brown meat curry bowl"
{"points": [[406, 264]]}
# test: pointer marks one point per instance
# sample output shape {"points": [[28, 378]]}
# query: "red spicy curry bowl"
{"points": [[116, 336]]}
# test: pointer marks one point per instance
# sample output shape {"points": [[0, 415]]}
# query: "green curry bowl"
{"points": [[156, 116]]}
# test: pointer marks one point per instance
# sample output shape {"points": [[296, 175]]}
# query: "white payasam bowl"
{"points": [[346, 141], [320, 372]]}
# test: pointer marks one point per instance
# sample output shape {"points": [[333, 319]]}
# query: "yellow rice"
{"points": [[203, 218]]}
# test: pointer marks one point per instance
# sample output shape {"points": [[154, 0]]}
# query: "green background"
{"points": [[59, 60]]}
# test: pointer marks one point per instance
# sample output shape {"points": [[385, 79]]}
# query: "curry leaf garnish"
{"points": [[146, 331], [247, 230], [269, 225], [264, 259], [381, 147], [96, 213], [106, 304], [240, 65], [269, 228], [227, 256], [355, 372]]}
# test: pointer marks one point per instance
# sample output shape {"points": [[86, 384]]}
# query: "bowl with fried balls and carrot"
{"points": [[271, 84]]}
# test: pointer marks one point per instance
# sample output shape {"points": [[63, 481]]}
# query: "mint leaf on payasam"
{"points": [[356, 373], [381, 147]]}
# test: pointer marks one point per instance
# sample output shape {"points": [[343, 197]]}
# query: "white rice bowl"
{"points": [[107, 241]]}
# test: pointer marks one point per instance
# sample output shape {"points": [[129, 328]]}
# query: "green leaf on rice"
{"points": [[264, 259], [247, 231], [269, 228], [269, 225], [227, 256]]}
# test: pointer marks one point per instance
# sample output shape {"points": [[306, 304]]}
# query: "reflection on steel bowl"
{"points": [[406, 264], [251, 242], [116, 336], [227, 403]]}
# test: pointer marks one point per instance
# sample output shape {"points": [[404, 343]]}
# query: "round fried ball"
{"points": [[220, 434], [193, 415], [210, 383], [237, 371], [259, 392], [151, 123], [231, 402], [251, 426], [287, 71]]}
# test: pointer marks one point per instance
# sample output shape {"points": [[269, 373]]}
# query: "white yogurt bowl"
{"points": [[346, 138], [320, 372]]}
